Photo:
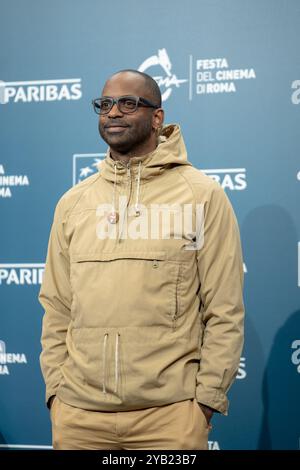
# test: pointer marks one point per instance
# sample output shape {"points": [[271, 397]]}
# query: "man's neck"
{"points": [[120, 157], [143, 149]]}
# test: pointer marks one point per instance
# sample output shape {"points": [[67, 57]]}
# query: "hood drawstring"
{"points": [[104, 361], [113, 216], [116, 363], [136, 206]]}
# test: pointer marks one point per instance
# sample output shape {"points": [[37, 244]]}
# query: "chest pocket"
{"points": [[125, 289]]}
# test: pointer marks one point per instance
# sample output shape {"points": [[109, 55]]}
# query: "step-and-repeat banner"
{"points": [[229, 72]]}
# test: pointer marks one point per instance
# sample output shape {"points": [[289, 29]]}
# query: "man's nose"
{"points": [[114, 112]]}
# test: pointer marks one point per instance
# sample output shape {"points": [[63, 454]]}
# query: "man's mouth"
{"points": [[115, 127]]}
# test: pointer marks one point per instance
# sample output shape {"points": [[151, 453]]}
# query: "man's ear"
{"points": [[158, 118]]}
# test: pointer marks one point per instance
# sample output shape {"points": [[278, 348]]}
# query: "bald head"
{"points": [[131, 133], [147, 85]]}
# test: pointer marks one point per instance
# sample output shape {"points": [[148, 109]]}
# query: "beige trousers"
{"points": [[178, 426]]}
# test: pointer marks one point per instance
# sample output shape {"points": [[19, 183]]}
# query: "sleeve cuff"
{"points": [[215, 399]]}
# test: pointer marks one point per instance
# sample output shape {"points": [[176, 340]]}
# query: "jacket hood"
{"points": [[169, 152]]}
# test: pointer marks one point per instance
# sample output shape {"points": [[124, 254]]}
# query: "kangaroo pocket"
{"points": [[129, 368], [124, 288]]}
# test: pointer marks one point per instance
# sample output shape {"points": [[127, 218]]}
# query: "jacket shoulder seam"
{"points": [[192, 186], [82, 192]]}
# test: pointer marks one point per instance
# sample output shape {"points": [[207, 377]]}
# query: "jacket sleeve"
{"points": [[221, 275], [55, 297]]}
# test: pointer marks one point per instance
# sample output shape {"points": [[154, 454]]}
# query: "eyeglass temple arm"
{"points": [[145, 102]]}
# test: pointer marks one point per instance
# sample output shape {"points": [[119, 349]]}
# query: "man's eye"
{"points": [[104, 105], [129, 104]]}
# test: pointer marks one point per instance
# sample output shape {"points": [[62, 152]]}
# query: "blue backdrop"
{"points": [[229, 72]]}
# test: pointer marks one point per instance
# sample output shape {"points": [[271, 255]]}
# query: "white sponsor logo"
{"points": [[229, 178], [21, 273], [8, 182], [211, 76], [295, 358], [168, 80], [242, 374], [295, 98], [215, 76], [9, 358], [86, 164], [213, 445], [40, 90]]}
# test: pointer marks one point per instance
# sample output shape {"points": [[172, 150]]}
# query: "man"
{"points": [[142, 291]]}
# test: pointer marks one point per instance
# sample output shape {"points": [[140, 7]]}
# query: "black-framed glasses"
{"points": [[125, 104]]}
